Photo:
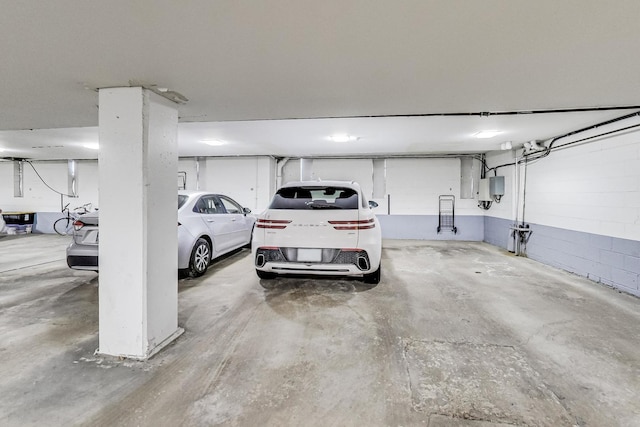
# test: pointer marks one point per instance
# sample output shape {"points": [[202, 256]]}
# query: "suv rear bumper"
{"points": [[334, 262], [323, 269]]}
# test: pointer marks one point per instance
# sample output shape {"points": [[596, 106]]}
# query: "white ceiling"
{"points": [[278, 76]]}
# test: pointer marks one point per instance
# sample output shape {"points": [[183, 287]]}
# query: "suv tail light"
{"points": [[278, 224], [363, 224], [77, 225]]}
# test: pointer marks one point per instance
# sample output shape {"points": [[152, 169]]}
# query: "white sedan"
{"points": [[318, 227], [209, 225]]}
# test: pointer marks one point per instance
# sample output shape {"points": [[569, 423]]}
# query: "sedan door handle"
{"points": [[211, 220], [234, 219]]}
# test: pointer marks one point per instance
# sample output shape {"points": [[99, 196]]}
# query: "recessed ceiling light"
{"points": [[2, 149], [343, 138], [213, 142], [92, 145], [487, 134]]}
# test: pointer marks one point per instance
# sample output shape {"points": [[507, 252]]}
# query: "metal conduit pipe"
{"points": [[473, 113], [552, 141]]}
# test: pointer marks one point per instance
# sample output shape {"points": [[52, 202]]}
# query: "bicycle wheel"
{"points": [[62, 226]]}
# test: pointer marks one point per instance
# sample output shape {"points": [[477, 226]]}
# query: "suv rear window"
{"points": [[317, 197]]}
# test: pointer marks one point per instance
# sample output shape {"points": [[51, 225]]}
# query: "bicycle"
{"points": [[64, 225]]}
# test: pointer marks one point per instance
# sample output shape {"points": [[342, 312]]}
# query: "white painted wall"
{"points": [[416, 184], [359, 170], [413, 185], [37, 196], [248, 180], [593, 188], [188, 166]]}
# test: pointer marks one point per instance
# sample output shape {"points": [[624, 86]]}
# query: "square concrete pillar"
{"points": [[138, 259]]}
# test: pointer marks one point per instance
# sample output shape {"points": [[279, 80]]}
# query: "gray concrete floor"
{"points": [[455, 334]]}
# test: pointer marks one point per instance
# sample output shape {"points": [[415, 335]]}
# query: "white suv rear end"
{"points": [[318, 227]]}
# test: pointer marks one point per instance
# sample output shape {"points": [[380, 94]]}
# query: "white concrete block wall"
{"points": [[592, 188], [583, 205]]}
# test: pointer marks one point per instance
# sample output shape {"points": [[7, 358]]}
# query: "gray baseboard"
{"points": [[425, 227], [603, 259]]}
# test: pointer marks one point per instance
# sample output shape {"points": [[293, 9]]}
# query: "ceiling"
{"points": [[277, 77]]}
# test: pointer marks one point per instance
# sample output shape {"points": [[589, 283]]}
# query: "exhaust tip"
{"points": [[363, 263], [260, 260]]}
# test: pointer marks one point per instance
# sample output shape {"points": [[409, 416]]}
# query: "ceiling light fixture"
{"points": [[214, 142], [487, 134], [92, 145], [343, 138]]}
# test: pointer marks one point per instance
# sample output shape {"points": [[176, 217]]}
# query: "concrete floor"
{"points": [[455, 334]]}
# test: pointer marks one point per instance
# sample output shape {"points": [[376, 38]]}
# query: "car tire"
{"points": [[265, 274], [373, 278], [200, 258]]}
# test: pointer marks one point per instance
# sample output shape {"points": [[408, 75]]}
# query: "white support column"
{"points": [[138, 163]]}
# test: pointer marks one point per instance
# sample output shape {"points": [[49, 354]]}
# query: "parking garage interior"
{"points": [[499, 141]]}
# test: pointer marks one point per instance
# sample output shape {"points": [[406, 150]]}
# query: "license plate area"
{"points": [[91, 237], [309, 255]]}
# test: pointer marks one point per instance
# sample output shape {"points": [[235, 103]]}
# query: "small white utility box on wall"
{"points": [[483, 191], [491, 188], [496, 186]]}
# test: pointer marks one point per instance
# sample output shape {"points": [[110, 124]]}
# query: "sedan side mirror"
{"points": [[246, 211], [373, 204]]}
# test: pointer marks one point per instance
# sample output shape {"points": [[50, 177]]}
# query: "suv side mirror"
{"points": [[246, 211], [373, 204]]}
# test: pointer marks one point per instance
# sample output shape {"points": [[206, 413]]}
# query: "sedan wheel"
{"points": [[200, 258]]}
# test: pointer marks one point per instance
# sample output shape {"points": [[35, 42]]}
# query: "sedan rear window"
{"points": [[317, 197], [182, 199]]}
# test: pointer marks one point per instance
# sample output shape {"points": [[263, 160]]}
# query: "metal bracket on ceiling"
{"points": [[171, 95]]}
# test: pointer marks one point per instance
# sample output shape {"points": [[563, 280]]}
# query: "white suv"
{"points": [[318, 227]]}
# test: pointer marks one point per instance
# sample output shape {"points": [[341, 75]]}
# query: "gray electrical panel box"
{"points": [[496, 186]]}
